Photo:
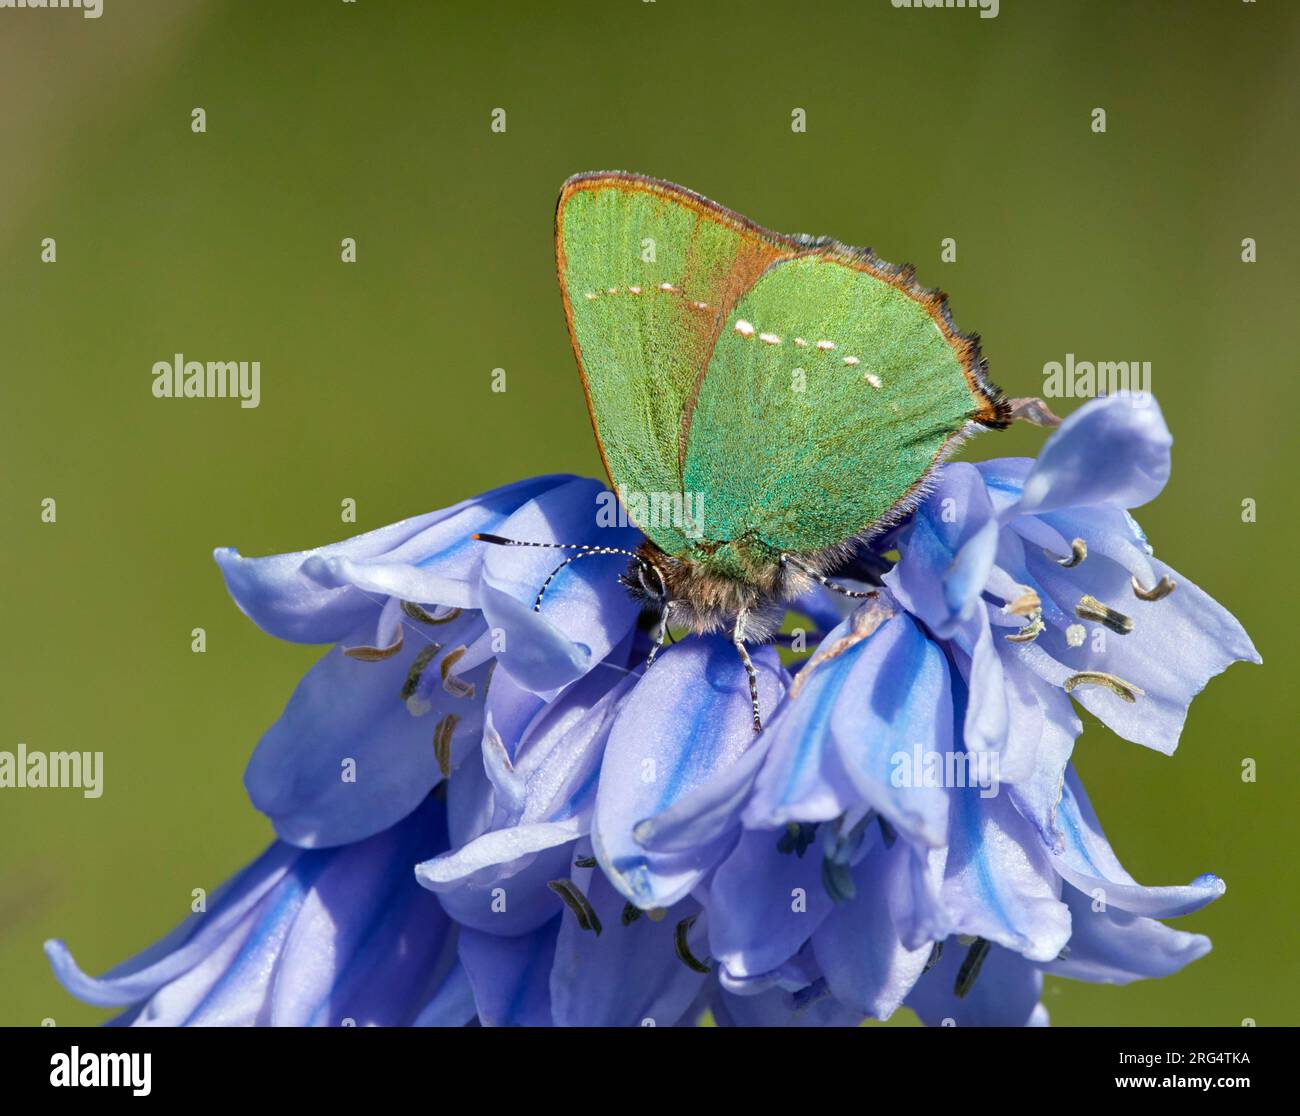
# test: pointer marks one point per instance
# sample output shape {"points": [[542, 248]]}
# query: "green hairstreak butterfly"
{"points": [[760, 401]]}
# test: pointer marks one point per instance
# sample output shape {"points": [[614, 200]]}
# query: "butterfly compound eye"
{"points": [[652, 581]]}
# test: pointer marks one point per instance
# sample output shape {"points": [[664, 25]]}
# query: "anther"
{"points": [[415, 612], [1089, 608], [970, 967], [936, 952], [1162, 589], [574, 899], [796, 838], [1078, 552], [838, 881], [422, 660], [1024, 605], [375, 654], [442, 735], [1030, 631], [631, 913], [684, 954], [457, 687], [1126, 691]]}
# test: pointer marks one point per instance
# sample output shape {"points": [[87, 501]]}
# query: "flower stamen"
{"points": [[796, 838], [838, 881], [1030, 631], [684, 954], [455, 686], [376, 654], [1089, 608], [442, 742], [970, 967], [574, 899], [1126, 691], [415, 612], [1078, 552], [413, 676], [1026, 604], [1159, 591]]}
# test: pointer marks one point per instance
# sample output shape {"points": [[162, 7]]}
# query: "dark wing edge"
{"points": [[996, 411]]}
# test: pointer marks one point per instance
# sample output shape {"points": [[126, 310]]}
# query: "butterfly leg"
{"points": [[738, 638], [786, 560], [660, 637]]}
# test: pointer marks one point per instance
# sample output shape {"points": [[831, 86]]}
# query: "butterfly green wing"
{"points": [[649, 273], [834, 387]]}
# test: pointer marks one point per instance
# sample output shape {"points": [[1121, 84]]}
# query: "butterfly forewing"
{"points": [[649, 273]]}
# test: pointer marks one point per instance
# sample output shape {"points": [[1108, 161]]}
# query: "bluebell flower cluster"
{"points": [[497, 815]]}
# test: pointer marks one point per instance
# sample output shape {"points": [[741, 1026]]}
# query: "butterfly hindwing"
{"points": [[833, 388]]}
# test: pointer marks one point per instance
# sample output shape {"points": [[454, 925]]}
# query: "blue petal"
{"points": [[1112, 451], [710, 812], [511, 976], [542, 800], [452, 1005], [778, 1008], [625, 976], [535, 653], [495, 856], [367, 944], [763, 904], [686, 722], [344, 710], [1005, 993], [1004, 478], [559, 757], [297, 938], [185, 947], [483, 888], [999, 882], [429, 558], [1044, 726], [858, 948], [851, 730], [1088, 862], [986, 721], [1112, 946], [947, 553], [585, 611], [1176, 646]]}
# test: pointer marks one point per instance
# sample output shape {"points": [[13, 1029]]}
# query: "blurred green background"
{"points": [[371, 120]]}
